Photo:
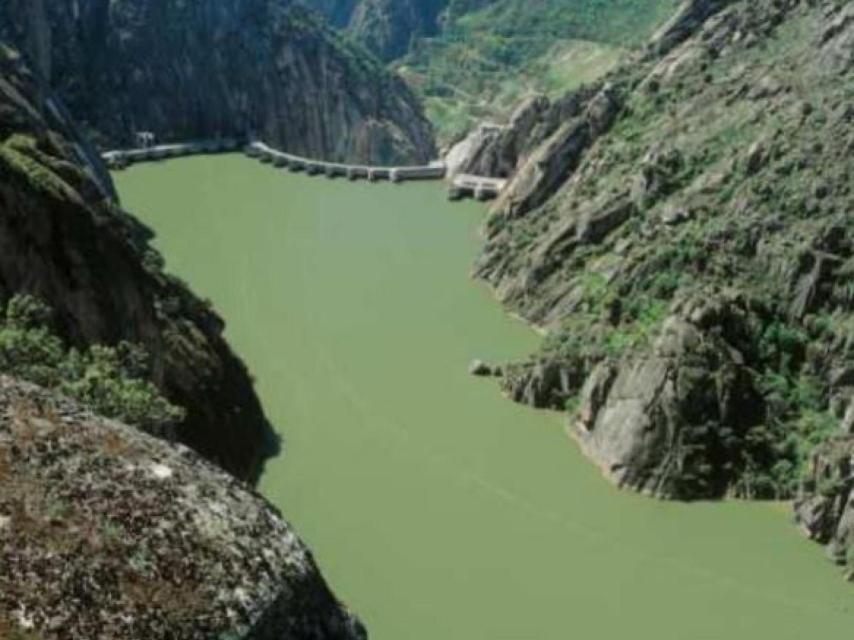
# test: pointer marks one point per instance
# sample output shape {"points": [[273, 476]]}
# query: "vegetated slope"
{"points": [[109, 533], [486, 58], [473, 59], [204, 68], [386, 27], [685, 231], [64, 240]]}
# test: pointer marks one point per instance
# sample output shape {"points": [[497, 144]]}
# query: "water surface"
{"points": [[437, 509]]}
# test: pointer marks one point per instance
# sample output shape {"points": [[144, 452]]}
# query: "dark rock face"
{"points": [[825, 507], [685, 23], [385, 27], [108, 532], [548, 384], [64, 239], [229, 68]]}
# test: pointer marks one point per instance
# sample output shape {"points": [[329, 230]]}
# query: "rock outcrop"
{"points": [[584, 119], [106, 532], [208, 68], [672, 421], [385, 27], [496, 151], [825, 507], [64, 239]]}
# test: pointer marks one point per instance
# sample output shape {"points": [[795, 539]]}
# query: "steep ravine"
{"points": [[64, 239], [683, 229], [108, 531], [219, 68]]}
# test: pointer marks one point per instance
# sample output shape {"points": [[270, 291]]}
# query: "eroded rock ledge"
{"points": [[106, 532]]}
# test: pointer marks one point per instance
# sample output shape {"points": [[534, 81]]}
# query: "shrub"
{"points": [[110, 380]]}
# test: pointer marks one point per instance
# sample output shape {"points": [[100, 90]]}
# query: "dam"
{"points": [[433, 171], [481, 188], [123, 158]]}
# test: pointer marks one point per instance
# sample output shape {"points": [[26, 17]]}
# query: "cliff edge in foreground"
{"points": [[106, 532]]}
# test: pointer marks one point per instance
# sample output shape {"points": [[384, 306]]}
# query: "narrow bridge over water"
{"points": [[461, 186]]}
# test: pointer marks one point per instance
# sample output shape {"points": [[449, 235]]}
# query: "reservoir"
{"points": [[436, 508]]}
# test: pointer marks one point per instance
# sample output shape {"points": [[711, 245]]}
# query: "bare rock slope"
{"points": [[64, 239]]}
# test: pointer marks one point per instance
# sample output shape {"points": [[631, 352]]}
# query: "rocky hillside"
{"points": [[385, 27], [150, 542], [684, 230], [64, 240], [219, 68], [474, 59]]}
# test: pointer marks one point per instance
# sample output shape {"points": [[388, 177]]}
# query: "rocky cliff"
{"points": [[64, 239], [219, 68], [683, 230], [109, 533], [386, 27], [825, 509]]}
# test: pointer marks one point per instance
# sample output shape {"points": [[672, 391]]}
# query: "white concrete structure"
{"points": [[481, 188], [118, 159], [265, 153]]}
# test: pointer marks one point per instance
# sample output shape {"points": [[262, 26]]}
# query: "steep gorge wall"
{"points": [[219, 68], [684, 230], [64, 239]]}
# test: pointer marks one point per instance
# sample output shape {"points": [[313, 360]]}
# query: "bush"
{"points": [[111, 381]]}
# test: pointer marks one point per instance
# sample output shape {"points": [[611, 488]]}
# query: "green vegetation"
{"points": [[112, 381], [488, 57], [797, 416], [20, 153], [606, 324]]}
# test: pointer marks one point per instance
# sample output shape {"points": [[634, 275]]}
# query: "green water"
{"points": [[437, 509]]}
